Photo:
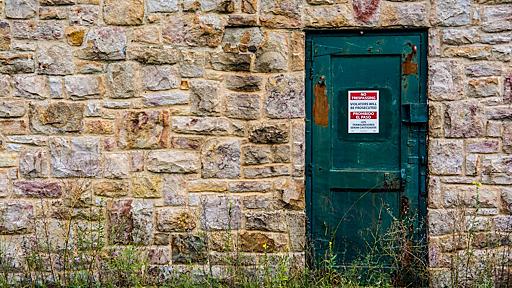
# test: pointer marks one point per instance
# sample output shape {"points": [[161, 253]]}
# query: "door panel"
{"points": [[358, 182]]}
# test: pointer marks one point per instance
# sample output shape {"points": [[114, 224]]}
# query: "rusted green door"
{"points": [[366, 129]]}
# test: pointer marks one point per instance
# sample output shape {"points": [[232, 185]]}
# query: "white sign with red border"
{"points": [[363, 111]]}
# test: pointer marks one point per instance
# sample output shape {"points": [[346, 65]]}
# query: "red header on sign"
{"points": [[363, 95], [363, 115]]}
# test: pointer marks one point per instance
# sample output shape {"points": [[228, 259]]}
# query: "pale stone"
{"points": [[192, 64], [446, 157], [8, 159], [473, 52], [150, 54], [451, 12], [166, 98], [220, 212], [20, 9], [221, 159], [161, 77], [482, 70], [5, 184], [56, 117], [175, 220], [266, 171], [16, 217], [272, 55], [84, 15], [205, 97], [54, 60], [285, 97], [122, 79], [445, 80], [174, 190], [483, 146], [194, 30], [463, 119], [249, 6], [123, 12], [84, 86], [325, 16], [5, 85], [243, 106], [37, 30], [55, 13], [12, 108], [496, 18], [78, 157], [143, 129], [146, 186], [242, 39], [146, 34], [34, 163], [110, 188], [56, 85], [292, 193], [104, 43], [281, 13], [173, 161], [250, 186], [115, 165], [203, 125], [31, 86], [484, 87], [162, 5], [460, 36]]}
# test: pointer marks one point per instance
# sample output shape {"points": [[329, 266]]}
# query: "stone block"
{"points": [[77, 157], [221, 159], [123, 79], [162, 6], [173, 161], [104, 43], [205, 97], [84, 15], [445, 80], [20, 9], [143, 129], [266, 171], [272, 55], [123, 12], [451, 12], [146, 185], [31, 87], [232, 61], [188, 249], [54, 59], [34, 163], [496, 18], [175, 190], [37, 189], [162, 77], [130, 222], [53, 13], [483, 146], [13, 108], [259, 242], [220, 212], [56, 117], [81, 87], [175, 220], [116, 165], [285, 97], [463, 119], [5, 83], [243, 106], [205, 125], [254, 155], [243, 83], [194, 30], [281, 13], [14, 127], [111, 188], [8, 159], [266, 221], [446, 157], [16, 62], [16, 217], [484, 87], [153, 55], [166, 98], [292, 193], [5, 35], [331, 16], [482, 69], [269, 133], [245, 186], [37, 30]]}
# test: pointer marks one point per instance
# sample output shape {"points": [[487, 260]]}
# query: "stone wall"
{"points": [[186, 116]]}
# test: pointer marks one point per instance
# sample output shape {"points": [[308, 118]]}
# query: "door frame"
{"points": [[423, 76]]}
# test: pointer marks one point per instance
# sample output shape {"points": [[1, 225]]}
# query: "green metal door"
{"points": [[366, 127]]}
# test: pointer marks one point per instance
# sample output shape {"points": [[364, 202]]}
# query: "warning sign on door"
{"points": [[363, 112]]}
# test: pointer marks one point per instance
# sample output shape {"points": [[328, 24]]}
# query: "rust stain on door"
{"points": [[408, 66], [320, 105]]}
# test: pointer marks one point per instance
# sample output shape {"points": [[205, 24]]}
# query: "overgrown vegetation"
{"points": [[74, 254]]}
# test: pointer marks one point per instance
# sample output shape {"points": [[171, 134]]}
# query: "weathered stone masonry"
{"points": [[187, 116]]}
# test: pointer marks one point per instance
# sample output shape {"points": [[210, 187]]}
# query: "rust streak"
{"points": [[320, 105], [365, 9], [409, 67]]}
